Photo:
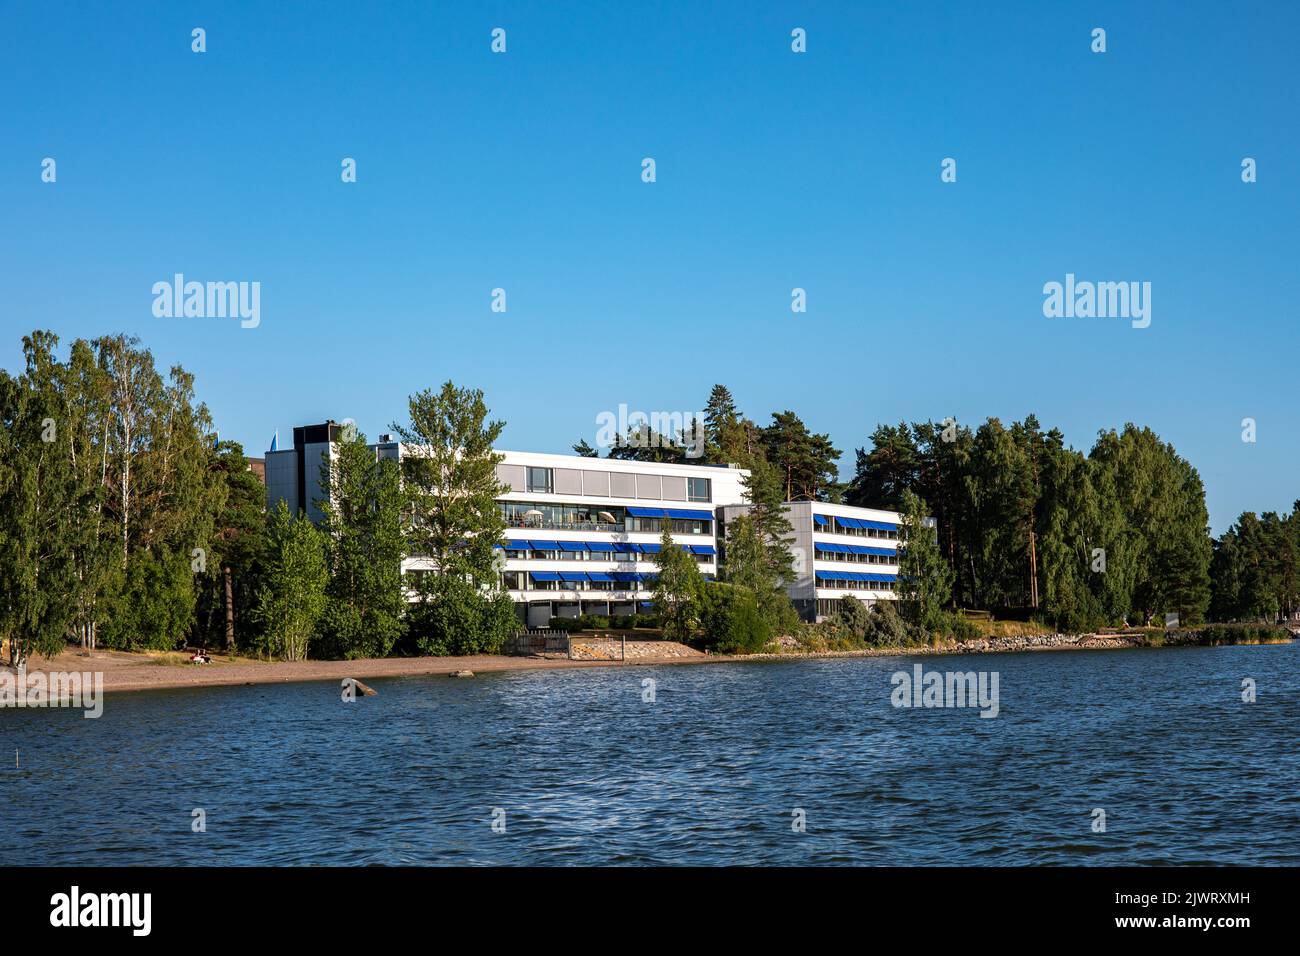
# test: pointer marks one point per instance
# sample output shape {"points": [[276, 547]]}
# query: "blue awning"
{"points": [[516, 545], [572, 576], [703, 549], [848, 522], [573, 545], [650, 548], [626, 576], [821, 519], [647, 603], [833, 548], [880, 525], [687, 514], [646, 512], [545, 545], [545, 576], [627, 547], [599, 576], [600, 546]]}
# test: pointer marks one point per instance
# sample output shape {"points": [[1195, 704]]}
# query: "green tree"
{"points": [[94, 556], [291, 597], [151, 601], [852, 615], [227, 588], [1163, 501], [889, 469], [163, 493], [450, 500], [730, 620], [757, 549], [924, 578], [885, 628], [805, 461], [362, 526], [678, 589], [38, 500]]}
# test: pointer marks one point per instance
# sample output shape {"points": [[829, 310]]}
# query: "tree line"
{"points": [[1024, 523], [1119, 534], [125, 522]]}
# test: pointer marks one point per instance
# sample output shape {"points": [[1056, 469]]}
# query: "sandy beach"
{"points": [[125, 671]]}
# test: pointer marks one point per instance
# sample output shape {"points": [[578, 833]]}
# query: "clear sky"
{"points": [[775, 170]]}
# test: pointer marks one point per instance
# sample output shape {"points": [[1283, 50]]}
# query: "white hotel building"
{"points": [[581, 533]]}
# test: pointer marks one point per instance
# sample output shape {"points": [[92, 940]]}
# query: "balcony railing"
{"points": [[542, 524]]}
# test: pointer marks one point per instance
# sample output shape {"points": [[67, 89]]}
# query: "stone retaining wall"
{"points": [[610, 649]]}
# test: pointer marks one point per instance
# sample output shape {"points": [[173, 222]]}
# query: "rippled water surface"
{"points": [[709, 773]]}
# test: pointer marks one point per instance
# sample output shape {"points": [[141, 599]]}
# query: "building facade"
{"points": [[838, 550], [581, 533]]}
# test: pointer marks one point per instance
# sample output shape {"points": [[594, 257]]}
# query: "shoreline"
{"points": [[125, 671]]}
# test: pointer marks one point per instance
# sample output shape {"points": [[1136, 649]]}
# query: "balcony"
{"points": [[542, 524]]}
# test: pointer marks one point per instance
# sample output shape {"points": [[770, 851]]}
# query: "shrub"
{"points": [[885, 627], [854, 616], [587, 622], [457, 619], [731, 620], [959, 628]]}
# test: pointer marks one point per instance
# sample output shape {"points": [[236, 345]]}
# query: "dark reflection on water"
{"points": [[587, 773]]}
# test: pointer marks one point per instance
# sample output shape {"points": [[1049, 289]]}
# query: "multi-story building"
{"points": [[581, 533], [838, 550]]}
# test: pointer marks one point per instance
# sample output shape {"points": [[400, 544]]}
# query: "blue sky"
{"points": [[775, 170]]}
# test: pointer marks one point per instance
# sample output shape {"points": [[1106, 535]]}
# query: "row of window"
{"points": [[621, 557], [836, 528], [837, 585], [526, 581], [541, 481], [580, 517], [856, 558]]}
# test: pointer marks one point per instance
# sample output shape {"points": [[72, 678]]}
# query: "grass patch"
{"points": [[990, 628]]}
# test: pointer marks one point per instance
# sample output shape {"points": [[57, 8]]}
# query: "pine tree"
{"points": [[805, 462], [924, 578], [238, 547], [758, 553]]}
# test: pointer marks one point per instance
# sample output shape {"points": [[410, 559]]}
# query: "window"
{"points": [[539, 480], [699, 489]]}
